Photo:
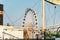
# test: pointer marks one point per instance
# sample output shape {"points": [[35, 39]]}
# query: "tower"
{"points": [[1, 14]]}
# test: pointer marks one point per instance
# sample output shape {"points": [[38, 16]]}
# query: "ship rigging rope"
{"points": [[31, 7], [35, 3], [9, 18], [49, 11], [35, 17], [54, 15], [49, 8], [19, 18], [16, 20]]}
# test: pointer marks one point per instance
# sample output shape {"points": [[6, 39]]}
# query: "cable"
{"points": [[32, 7], [48, 8], [54, 15], [38, 7], [9, 18], [19, 18], [35, 4], [16, 20], [45, 19]]}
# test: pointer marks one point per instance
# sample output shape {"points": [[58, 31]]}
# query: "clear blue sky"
{"points": [[15, 9]]}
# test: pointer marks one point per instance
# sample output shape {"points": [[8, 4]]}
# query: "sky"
{"points": [[14, 11]]}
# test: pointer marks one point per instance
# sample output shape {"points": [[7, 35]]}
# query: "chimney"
{"points": [[1, 14]]}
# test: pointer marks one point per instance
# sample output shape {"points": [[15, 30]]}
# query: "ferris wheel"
{"points": [[34, 17]]}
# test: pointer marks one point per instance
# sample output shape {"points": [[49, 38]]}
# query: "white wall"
{"points": [[18, 33]]}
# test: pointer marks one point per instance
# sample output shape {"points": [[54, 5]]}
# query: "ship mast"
{"points": [[43, 19]]}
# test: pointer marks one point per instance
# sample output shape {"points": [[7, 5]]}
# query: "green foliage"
{"points": [[52, 34]]}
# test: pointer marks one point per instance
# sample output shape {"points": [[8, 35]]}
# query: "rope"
{"points": [[35, 4], [9, 18], [54, 15]]}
